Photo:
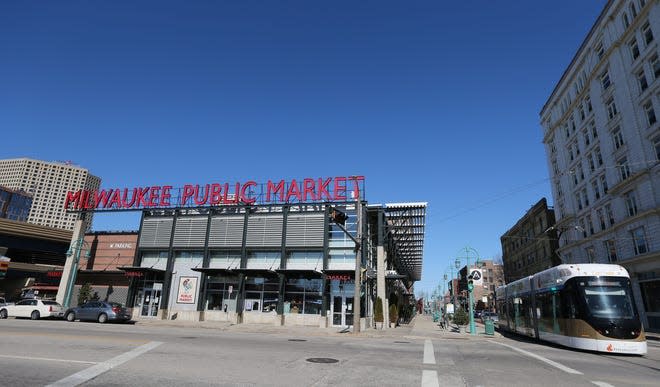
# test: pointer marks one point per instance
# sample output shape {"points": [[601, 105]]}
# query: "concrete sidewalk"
{"points": [[422, 326]]}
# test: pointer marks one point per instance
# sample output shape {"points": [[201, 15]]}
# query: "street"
{"points": [[58, 353]]}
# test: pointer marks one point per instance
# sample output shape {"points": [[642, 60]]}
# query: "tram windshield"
{"points": [[608, 297]]}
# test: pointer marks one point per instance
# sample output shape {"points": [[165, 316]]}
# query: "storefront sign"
{"points": [[339, 277], [250, 192], [134, 274], [187, 290], [54, 274]]}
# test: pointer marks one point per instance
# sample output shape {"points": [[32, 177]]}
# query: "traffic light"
{"points": [[470, 284], [338, 216]]}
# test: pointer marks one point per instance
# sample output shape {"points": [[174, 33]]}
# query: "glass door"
{"points": [[148, 301], [342, 310]]}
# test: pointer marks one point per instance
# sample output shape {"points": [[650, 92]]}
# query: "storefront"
{"points": [[276, 253]]}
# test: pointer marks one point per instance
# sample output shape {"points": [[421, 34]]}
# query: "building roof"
{"points": [[405, 223]]}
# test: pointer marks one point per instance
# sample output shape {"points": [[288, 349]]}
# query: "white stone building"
{"points": [[48, 182], [602, 140]]}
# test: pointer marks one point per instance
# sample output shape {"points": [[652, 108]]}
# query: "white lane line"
{"points": [[541, 358], [430, 379], [429, 356], [98, 369], [46, 359], [601, 384]]}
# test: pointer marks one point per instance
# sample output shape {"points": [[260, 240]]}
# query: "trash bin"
{"points": [[436, 317], [490, 327]]}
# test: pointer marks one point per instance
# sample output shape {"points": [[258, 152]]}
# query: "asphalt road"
{"points": [[58, 353]]}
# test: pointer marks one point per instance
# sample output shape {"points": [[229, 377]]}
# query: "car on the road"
{"points": [[33, 308], [489, 316], [101, 311]]}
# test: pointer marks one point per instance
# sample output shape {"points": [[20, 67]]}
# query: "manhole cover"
{"points": [[402, 342], [297, 340], [322, 360]]}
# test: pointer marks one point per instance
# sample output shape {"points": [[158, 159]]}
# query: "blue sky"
{"points": [[431, 101]]}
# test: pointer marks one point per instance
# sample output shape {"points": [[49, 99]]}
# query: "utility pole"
{"points": [[358, 269]]}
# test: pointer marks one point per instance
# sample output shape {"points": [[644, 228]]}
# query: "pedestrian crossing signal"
{"points": [[470, 284]]}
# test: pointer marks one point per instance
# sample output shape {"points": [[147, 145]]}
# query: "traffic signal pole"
{"points": [[473, 328]]}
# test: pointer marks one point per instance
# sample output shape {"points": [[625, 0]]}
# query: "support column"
{"points": [[67, 273], [380, 283]]}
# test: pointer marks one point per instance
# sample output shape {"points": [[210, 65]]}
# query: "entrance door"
{"points": [[342, 310], [148, 300]]}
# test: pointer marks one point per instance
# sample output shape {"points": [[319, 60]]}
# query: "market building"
{"points": [[274, 253]]}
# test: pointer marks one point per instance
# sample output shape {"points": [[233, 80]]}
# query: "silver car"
{"points": [[101, 311]]}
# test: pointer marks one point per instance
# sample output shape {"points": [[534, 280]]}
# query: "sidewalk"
{"points": [[420, 326]]}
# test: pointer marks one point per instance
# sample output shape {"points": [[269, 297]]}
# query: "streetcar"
{"points": [[583, 306]]}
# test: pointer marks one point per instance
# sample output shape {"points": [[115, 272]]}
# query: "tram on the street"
{"points": [[584, 306]]}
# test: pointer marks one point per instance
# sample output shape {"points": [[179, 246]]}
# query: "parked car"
{"points": [[489, 316], [32, 308], [101, 311]]}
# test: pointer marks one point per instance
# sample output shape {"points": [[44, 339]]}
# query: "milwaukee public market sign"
{"points": [[197, 195]]}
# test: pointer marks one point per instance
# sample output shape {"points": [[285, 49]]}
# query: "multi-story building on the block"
{"points": [[602, 140], [531, 245], [14, 204], [487, 276], [48, 183]]}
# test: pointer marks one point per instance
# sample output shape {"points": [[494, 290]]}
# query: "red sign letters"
{"points": [[307, 190]]}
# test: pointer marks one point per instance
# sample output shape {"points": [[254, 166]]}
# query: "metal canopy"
{"points": [[405, 224]]}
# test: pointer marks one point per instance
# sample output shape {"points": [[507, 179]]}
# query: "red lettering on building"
{"points": [[307, 190]]}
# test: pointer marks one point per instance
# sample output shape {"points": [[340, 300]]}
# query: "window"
{"points": [[650, 113], [590, 224], [591, 254], [585, 197], [631, 203], [656, 143], [578, 199], [610, 247], [605, 80], [655, 65], [641, 79], [647, 33], [634, 48], [624, 168], [599, 157], [594, 185], [601, 219], [588, 101], [585, 135], [639, 241], [592, 166], [610, 214], [633, 11], [626, 22], [600, 51], [261, 294], [617, 138], [611, 108], [594, 132], [303, 295], [603, 183]]}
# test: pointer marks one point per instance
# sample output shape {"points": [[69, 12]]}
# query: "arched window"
{"points": [[626, 22], [633, 10]]}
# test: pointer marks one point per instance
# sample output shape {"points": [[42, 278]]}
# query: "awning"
{"points": [[301, 272], [215, 271], [256, 272], [141, 269]]}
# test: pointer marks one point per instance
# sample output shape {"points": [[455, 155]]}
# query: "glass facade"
{"points": [[303, 295], [261, 294]]}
